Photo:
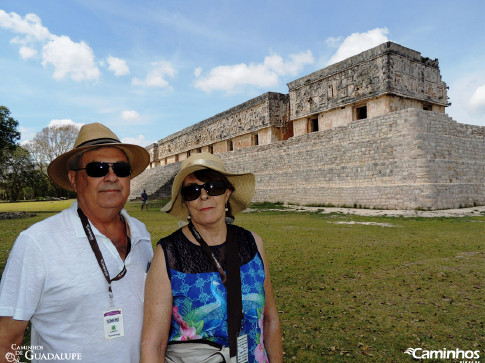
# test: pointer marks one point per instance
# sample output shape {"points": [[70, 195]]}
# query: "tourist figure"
{"points": [[191, 310], [144, 200], [79, 275]]}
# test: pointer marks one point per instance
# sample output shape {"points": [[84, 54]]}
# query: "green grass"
{"points": [[32, 206], [355, 292]]}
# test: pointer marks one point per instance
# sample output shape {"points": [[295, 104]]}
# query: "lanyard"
{"points": [[208, 251], [99, 255]]}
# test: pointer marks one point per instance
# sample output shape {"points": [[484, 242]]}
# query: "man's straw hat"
{"points": [[244, 184], [93, 136]]}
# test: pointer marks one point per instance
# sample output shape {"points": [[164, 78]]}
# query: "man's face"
{"points": [[98, 195]]}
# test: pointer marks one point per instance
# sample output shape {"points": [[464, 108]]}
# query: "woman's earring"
{"points": [[229, 218], [189, 217]]}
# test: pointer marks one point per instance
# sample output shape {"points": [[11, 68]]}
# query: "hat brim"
{"points": [[244, 187], [58, 169]]}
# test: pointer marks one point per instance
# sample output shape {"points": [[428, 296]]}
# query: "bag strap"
{"points": [[234, 296]]}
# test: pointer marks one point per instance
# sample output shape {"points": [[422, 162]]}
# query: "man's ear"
{"points": [[72, 179]]}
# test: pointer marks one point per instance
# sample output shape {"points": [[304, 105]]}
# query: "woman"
{"points": [[186, 301]]}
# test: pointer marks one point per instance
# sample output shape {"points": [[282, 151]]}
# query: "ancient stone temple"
{"points": [[370, 131]]}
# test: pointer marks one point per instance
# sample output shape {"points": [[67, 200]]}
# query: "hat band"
{"points": [[214, 165], [99, 142]]}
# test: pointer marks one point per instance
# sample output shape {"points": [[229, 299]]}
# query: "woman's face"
{"points": [[206, 209]]}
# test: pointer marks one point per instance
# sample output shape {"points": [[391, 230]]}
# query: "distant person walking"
{"points": [[144, 200]]}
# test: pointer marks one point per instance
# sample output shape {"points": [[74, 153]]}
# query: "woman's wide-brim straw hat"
{"points": [[239, 200], [92, 136]]}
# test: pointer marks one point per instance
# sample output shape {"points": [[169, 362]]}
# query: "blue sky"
{"points": [[149, 68]]}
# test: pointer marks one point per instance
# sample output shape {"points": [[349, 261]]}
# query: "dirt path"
{"points": [[462, 212]]}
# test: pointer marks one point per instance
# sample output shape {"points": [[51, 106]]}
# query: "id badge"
{"points": [[113, 324], [242, 349]]}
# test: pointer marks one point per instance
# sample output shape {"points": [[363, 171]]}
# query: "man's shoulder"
{"points": [[56, 219], [47, 231]]}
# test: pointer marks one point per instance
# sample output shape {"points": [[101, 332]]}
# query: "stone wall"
{"points": [[385, 69], [260, 120], [411, 159]]}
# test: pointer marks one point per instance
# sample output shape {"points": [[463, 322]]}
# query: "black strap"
{"points": [[231, 280], [234, 296], [98, 254]]}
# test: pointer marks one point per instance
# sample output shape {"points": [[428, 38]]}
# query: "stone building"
{"points": [[370, 131], [260, 121]]}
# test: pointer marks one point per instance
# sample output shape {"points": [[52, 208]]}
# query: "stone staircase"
{"points": [[156, 181]]}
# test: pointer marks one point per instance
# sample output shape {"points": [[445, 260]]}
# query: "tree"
{"points": [[8, 135], [40, 185], [18, 172], [8, 130], [48, 144], [51, 142]]}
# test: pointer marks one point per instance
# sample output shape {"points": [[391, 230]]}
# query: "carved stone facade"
{"points": [[370, 131], [260, 121], [376, 82]]}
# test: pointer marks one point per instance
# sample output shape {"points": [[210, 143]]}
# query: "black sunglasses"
{"points": [[192, 191], [98, 169]]}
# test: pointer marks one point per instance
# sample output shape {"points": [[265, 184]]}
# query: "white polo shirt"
{"points": [[53, 279]]}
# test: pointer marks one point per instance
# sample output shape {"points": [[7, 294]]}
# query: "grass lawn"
{"points": [[349, 291]]}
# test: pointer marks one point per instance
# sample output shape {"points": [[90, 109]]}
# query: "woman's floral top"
{"points": [[199, 297]]}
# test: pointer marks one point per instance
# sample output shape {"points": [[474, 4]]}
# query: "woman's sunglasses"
{"points": [[192, 191], [98, 169]]}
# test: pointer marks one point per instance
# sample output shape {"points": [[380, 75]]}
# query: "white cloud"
{"points": [[228, 78], [156, 77], [197, 72], [63, 122], [139, 140], [130, 116], [467, 97], [234, 77], [27, 52], [333, 41], [477, 101], [118, 66], [70, 59], [357, 43], [26, 134], [30, 26], [291, 67]]}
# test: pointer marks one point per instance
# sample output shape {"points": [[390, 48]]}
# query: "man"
{"points": [[79, 276], [144, 199]]}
